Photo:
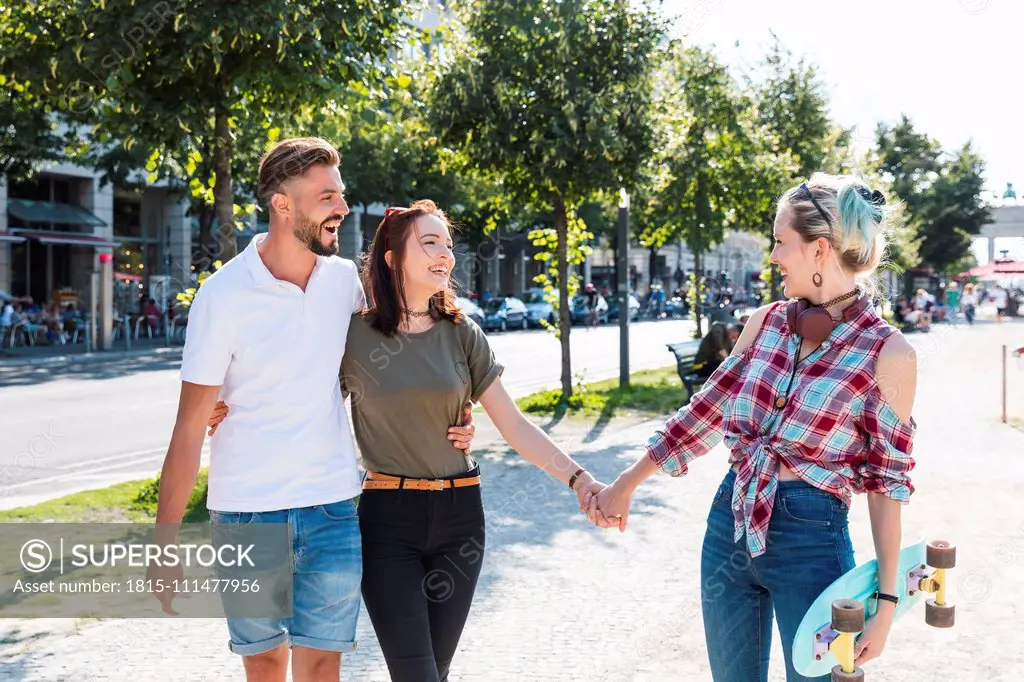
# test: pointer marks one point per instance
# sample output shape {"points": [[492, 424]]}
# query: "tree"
{"points": [[955, 213], [194, 177], [942, 192], [720, 168], [909, 160], [178, 78], [792, 103], [792, 106], [28, 136], [552, 98]]}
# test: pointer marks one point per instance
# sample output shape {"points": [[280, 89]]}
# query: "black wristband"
{"points": [[887, 597]]}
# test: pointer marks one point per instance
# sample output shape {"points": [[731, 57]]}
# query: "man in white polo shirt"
{"points": [[267, 333]]}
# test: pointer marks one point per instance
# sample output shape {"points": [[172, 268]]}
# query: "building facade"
{"points": [[67, 238]]}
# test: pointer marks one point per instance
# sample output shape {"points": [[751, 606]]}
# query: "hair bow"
{"points": [[876, 198], [388, 212]]}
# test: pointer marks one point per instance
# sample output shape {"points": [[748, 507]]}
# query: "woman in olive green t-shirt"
{"points": [[411, 362]]}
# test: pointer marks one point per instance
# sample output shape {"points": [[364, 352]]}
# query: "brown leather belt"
{"points": [[375, 481]]}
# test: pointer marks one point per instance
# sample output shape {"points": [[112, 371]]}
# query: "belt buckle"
{"points": [[440, 484]]}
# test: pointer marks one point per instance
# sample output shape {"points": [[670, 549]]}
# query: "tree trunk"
{"points": [[223, 193], [698, 293], [652, 263], [206, 239], [565, 305]]}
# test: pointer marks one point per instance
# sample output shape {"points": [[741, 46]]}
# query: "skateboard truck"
{"points": [[940, 555], [823, 639], [847, 621]]}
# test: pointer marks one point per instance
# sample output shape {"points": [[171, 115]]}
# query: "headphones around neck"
{"points": [[814, 323]]}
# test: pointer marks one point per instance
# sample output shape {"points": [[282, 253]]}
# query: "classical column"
{"points": [[100, 201], [350, 237], [176, 242]]}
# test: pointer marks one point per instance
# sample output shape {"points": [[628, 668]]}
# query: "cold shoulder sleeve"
{"points": [[886, 463]]}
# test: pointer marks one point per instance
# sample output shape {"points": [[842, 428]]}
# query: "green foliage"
{"points": [[792, 103], [390, 154], [180, 79], [652, 392], [28, 136], [956, 213], [696, 290], [551, 99], [718, 168], [186, 297], [195, 511], [942, 192], [578, 248]]}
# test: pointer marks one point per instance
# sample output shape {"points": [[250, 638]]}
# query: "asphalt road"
{"points": [[88, 426]]}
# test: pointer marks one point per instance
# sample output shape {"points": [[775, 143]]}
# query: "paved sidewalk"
{"points": [[561, 601], [43, 355]]}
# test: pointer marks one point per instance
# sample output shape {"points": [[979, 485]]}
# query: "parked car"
{"points": [[581, 311], [504, 313], [537, 308], [634, 308], [470, 310]]}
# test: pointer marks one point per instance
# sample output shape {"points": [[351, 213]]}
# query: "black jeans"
{"points": [[422, 555]]}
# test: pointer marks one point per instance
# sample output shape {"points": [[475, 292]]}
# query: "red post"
{"points": [[1004, 383]]}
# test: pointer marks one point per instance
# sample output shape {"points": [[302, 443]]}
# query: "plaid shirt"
{"points": [[835, 431]]}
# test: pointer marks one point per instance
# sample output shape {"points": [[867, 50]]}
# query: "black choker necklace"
{"points": [[416, 313], [839, 299]]}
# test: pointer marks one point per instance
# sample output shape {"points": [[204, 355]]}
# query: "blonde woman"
{"points": [[814, 404]]}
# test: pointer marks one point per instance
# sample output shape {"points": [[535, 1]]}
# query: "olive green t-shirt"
{"points": [[408, 389]]}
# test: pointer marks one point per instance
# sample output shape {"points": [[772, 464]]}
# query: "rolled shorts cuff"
{"points": [[339, 646], [255, 648]]}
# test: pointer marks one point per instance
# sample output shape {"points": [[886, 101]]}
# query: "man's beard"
{"points": [[308, 232]]}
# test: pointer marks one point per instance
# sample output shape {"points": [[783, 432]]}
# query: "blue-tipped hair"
{"points": [[857, 215]]}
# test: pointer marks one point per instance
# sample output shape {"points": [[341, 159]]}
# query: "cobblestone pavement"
{"points": [[561, 601]]}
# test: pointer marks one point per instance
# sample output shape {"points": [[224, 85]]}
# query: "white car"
{"points": [[537, 308], [470, 310]]}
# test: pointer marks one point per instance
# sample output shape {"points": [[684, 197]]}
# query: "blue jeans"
{"points": [[808, 548], [326, 576]]}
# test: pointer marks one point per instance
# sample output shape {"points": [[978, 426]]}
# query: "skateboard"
{"points": [[824, 642]]}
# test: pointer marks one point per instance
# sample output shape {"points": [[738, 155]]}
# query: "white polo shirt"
{"points": [[276, 352]]}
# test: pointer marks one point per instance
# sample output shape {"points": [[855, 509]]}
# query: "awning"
{"points": [[32, 211], [68, 238], [12, 238], [994, 268]]}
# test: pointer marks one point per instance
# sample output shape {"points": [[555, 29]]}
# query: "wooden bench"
{"points": [[685, 352]]}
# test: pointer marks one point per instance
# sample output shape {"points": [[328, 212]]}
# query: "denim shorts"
{"points": [[327, 571]]}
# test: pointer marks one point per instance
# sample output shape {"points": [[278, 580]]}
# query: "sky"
{"points": [[952, 66]]}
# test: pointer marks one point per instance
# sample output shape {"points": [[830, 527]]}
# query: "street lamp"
{"points": [[622, 275]]}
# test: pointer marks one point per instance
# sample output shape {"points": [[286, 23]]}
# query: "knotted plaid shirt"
{"points": [[835, 431]]}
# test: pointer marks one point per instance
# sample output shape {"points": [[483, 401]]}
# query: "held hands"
{"points": [[460, 436], [609, 514], [610, 507]]}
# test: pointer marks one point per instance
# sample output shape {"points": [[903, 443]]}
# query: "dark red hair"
{"points": [[385, 285]]}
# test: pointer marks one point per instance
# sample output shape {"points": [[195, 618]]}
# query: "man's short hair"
{"points": [[290, 159]]}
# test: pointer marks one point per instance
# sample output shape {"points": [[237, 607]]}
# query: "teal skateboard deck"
{"points": [[812, 645]]}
